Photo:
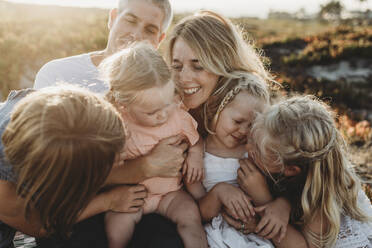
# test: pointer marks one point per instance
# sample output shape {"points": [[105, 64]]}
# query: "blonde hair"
{"points": [[249, 82], [309, 139], [61, 142], [164, 5], [131, 70], [219, 46]]}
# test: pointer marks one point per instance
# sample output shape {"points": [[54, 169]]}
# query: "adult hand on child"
{"points": [[275, 218], [251, 180], [125, 198], [236, 201], [194, 165], [167, 157], [244, 227]]}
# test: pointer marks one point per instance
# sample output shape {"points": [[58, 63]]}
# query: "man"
{"points": [[133, 20]]}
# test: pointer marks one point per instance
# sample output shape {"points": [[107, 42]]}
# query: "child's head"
{"points": [[140, 84], [235, 112], [298, 137], [62, 143]]}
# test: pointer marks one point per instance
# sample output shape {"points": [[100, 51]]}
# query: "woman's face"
{"points": [[196, 83]]}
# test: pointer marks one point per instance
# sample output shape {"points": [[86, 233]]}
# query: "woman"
{"points": [[205, 52], [58, 146]]}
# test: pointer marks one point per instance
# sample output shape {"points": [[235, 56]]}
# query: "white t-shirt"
{"points": [[77, 70]]}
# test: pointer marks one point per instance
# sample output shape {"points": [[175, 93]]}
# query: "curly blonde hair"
{"points": [[309, 139]]}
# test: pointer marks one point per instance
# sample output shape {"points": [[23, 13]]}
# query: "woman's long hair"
{"points": [[62, 142]]}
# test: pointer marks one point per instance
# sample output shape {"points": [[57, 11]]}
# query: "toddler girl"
{"points": [[243, 98], [142, 89]]}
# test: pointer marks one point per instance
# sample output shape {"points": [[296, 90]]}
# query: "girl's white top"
{"points": [[219, 233], [353, 233]]}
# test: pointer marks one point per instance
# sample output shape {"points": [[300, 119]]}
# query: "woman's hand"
{"points": [[236, 201], [275, 218], [167, 157], [253, 182], [125, 198], [244, 227]]}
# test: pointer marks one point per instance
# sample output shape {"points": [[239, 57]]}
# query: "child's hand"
{"points": [[236, 202], [251, 180], [274, 221], [127, 199], [194, 165]]}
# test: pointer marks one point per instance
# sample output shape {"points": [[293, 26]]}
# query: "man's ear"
{"points": [[291, 170], [112, 16]]}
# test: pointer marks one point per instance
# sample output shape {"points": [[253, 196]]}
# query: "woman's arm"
{"points": [[165, 160], [11, 211], [119, 199]]}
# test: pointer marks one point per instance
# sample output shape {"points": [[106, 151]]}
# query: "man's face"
{"points": [[139, 20]]}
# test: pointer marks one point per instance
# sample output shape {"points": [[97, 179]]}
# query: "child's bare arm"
{"points": [[194, 166], [196, 190]]}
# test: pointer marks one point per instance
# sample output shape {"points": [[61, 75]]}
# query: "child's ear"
{"points": [[291, 170]]}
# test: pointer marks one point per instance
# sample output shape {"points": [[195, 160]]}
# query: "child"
{"points": [[298, 139], [224, 146], [142, 89]]}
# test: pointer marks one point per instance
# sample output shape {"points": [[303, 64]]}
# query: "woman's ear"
{"points": [[112, 17], [291, 170]]}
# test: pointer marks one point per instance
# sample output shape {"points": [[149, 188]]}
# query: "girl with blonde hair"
{"points": [[297, 143], [57, 148], [224, 146], [142, 90]]}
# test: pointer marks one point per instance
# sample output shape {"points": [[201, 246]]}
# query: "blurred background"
{"points": [[320, 47]]}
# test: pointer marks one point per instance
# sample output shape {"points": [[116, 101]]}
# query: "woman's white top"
{"points": [[219, 233], [353, 233]]}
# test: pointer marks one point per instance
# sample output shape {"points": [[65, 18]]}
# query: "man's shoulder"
{"points": [[66, 62]]}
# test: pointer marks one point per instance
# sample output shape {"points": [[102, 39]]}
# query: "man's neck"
{"points": [[98, 56]]}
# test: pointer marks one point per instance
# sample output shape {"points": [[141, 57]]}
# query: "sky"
{"points": [[231, 8]]}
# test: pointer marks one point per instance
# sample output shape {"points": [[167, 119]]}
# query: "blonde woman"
{"points": [[142, 90], [205, 52], [57, 148], [296, 142]]}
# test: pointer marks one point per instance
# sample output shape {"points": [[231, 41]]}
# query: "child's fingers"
{"points": [[273, 232], [239, 210], [138, 203], [283, 232], [194, 175], [184, 169], [263, 222], [190, 172], [267, 229], [260, 209], [134, 209], [233, 211], [249, 206]]}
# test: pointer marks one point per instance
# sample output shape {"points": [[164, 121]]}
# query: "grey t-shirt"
{"points": [[78, 70], [6, 172]]}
